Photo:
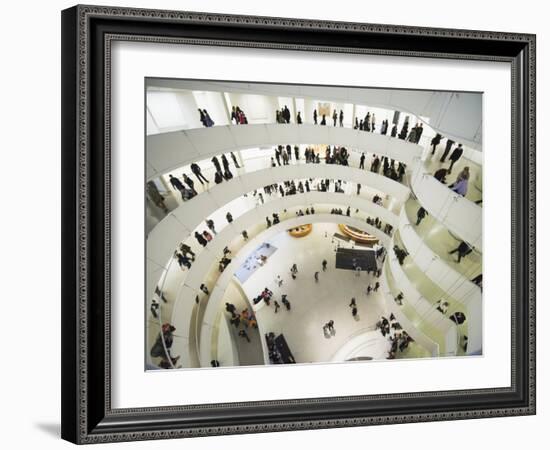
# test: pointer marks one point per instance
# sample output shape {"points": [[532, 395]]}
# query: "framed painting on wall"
{"points": [[261, 214]]}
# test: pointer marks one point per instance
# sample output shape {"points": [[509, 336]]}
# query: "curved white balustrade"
{"points": [[206, 261], [447, 278], [180, 223], [161, 245], [168, 151], [429, 344], [216, 296], [434, 267], [423, 308], [454, 116], [460, 215]]}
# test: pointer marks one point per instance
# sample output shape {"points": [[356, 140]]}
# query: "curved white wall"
{"points": [[168, 151], [424, 308], [438, 270], [460, 215], [206, 260], [180, 223], [456, 115], [421, 338], [216, 296]]}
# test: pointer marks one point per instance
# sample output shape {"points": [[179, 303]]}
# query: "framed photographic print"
{"points": [[283, 224]]}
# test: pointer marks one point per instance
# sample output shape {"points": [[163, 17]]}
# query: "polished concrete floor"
{"points": [[313, 303]]}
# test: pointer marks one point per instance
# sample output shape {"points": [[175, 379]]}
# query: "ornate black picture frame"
{"points": [[87, 35]]}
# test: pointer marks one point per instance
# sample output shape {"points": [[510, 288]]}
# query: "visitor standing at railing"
{"points": [[435, 142], [286, 114], [197, 171], [189, 182], [463, 249], [460, 186], [455, 156]]}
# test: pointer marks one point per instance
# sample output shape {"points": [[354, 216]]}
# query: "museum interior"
{"points": [[292, 224]]}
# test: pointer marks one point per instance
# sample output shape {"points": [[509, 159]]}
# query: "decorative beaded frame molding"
{"points": [[88, 33]]}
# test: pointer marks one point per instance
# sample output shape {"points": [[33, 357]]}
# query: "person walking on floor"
{"points": [[362, 161], [245, 235], [316, 276], [200, 239], [441, 175], [324, 264], [230, 308], [234, 158], [178, 185], [277, 306], [463, 249], [185, 249], [279, 281], [352, 304], [244, 334], [197, 172], [376, 286], [285, 302], [448, 146], [420, 214], [435, 142], [460, 186], [182, 260], [189, 182], [455, 156], [211, 226]]}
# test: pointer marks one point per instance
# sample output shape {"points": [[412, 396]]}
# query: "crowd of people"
{"points": [[238, 117], [162, 347], [283, 155], [243, 319], [398, 337], [336, 155]]}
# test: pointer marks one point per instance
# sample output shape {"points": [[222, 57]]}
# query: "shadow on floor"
{"points": [[53, 429]]}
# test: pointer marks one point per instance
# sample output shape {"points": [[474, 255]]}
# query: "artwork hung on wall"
{"points": [[344, 221], [278, 205]]}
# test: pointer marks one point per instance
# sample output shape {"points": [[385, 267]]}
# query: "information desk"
{"points": [[279, 352], [301, 231], [358, 235]]}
